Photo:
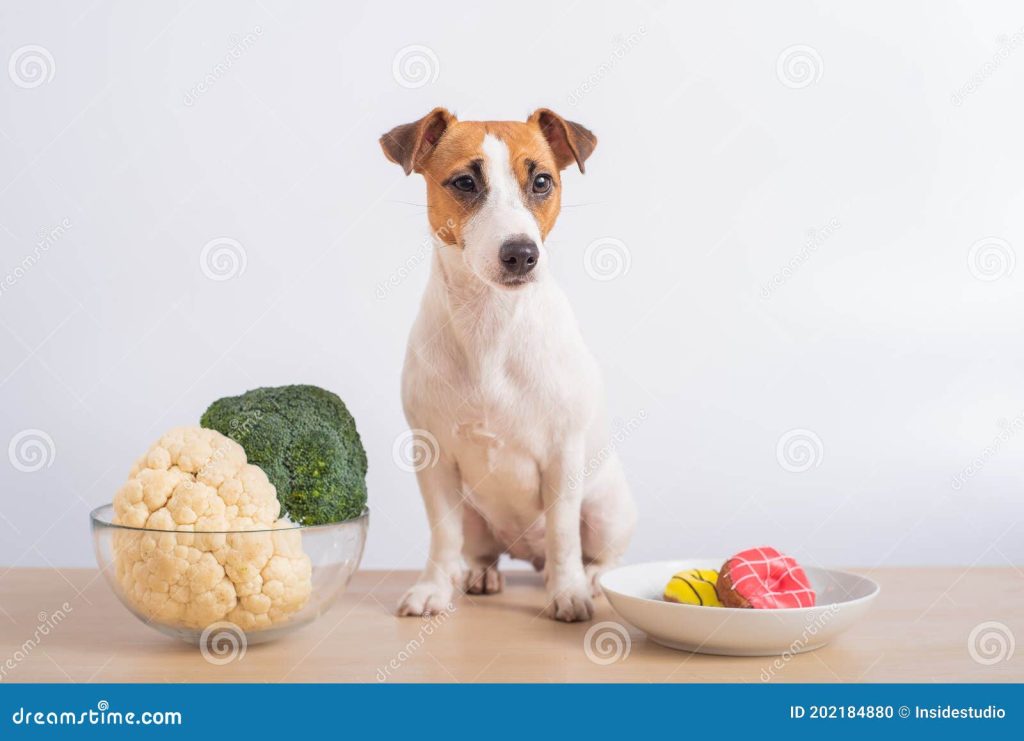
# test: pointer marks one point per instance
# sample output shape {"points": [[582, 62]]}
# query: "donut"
{"points": [[693, 587], [764, 579]]}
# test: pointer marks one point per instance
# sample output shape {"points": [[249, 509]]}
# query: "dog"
{"points": [[498, 386]]}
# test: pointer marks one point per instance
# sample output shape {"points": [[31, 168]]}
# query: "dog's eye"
{"points": [[464, 183], [542, 184]]}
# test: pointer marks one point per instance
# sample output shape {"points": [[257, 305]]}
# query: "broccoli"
{"points": [[306, 441]]}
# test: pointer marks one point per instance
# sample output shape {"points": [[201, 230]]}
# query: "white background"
{"points": [[901, 353]]}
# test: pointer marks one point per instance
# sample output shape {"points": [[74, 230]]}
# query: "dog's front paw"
{"points": [[426, 598], [484, 580], [593, 573], [570, 605]]}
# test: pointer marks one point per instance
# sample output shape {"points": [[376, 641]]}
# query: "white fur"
{"points": [[503, 381], [503, 215]]}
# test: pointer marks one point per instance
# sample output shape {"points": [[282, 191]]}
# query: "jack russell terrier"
{"points": [[497, 379]]}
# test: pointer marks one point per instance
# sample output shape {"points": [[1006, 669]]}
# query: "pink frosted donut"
{"points": [[764, 579]]}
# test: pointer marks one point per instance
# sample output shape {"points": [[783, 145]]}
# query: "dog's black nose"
{"points": [[519, 255]]}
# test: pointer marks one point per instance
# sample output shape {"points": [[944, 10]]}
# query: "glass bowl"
{"points": [[210, 588]]}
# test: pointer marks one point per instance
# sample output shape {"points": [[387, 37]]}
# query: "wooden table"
{"points": [[917, 631]]}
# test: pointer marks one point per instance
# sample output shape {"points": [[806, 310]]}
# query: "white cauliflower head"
{"points": [[198, 494]]}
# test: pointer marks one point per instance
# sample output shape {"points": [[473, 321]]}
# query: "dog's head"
{"points": [[494, 188]]}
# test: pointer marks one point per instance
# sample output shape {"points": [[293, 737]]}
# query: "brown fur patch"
{"points": [[454, 155], [442, 149]]}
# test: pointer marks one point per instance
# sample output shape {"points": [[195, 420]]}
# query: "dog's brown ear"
{"points": [[570, 141], [410, 144]]}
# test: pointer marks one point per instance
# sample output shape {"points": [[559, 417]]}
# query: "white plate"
{"points": [[636, 594]]}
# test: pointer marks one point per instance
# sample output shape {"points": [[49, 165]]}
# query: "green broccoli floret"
{"points": [[306, 441]]}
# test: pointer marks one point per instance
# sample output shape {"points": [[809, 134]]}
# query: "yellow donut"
{"points": [[693, 587]]}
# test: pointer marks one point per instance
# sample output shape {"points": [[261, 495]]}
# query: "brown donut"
{"points": [[727, 595]]}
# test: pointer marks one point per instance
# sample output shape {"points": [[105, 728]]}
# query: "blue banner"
{"points": [[508, 711]]}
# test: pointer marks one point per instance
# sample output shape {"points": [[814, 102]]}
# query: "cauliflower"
{"points": [[192, 487]]}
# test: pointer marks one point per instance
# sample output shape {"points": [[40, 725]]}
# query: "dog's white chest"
{"points": [[502, 388], [499, 435], [476, 438]]}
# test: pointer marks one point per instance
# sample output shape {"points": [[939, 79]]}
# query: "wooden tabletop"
{"points": [[919, 630]]}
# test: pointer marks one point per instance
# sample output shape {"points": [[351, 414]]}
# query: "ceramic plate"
{"points": [[636, 594]]}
